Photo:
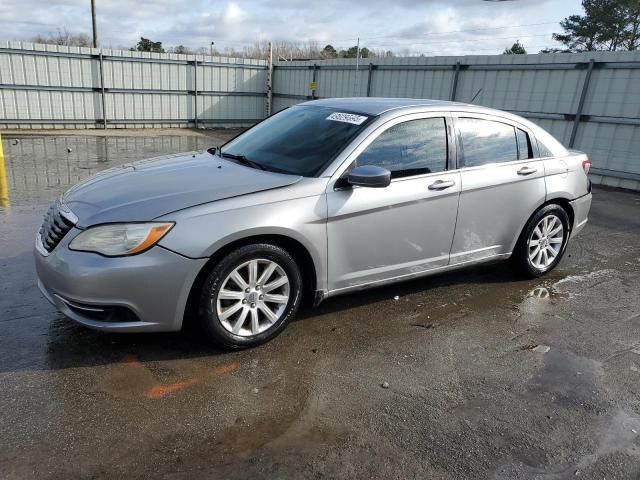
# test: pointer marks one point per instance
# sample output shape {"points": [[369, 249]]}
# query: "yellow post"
{"points": [[4, 189]]}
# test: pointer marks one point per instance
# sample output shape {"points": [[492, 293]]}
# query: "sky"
{"points": [[410, 27]]}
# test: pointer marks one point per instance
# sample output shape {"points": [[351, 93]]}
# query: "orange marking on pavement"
{"points": [[225, 368], [159, 391]]}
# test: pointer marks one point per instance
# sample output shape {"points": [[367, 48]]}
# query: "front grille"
{"points": [[54, 228]]}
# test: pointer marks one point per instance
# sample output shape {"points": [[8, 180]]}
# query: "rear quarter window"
{"points": [[544, 151]]}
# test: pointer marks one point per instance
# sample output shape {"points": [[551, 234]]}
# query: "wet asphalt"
{"points": [[486, 375]]}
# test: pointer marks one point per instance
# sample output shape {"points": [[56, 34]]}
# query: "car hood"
{"points": [[147, 189]]}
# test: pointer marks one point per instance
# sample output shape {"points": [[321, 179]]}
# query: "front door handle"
{"points": [[441, 184], [527, 171]]}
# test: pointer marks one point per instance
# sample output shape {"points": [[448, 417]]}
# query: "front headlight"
{"points": [[118, 239]]}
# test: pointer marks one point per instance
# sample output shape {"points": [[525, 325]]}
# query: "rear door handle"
{"points": [[527, 171], [441, 184]]}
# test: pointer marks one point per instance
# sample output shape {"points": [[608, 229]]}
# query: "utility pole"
{"points": [[93, 22], [357, 66]]}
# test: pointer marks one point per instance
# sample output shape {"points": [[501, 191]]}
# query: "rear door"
{"points": [[405, 229], [502, 185]]}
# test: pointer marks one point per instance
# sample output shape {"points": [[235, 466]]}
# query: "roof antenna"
{"points": [[477, 93]]}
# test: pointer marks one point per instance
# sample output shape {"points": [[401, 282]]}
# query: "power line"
{"points": [[444, 53], [511, 37], [452, 31]]}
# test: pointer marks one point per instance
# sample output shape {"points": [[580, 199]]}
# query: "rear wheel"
{"points": [[543, 241], [250, 296]]}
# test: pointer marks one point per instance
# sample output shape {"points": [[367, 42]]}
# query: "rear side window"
{"points": [[524, 145], [411, 148], [486, 141]]}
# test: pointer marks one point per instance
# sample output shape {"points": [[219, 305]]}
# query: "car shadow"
{"points": [[499, 272], [69, 345]]}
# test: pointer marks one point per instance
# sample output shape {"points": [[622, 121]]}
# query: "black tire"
{"points": [[209, 319], [520, 258]]}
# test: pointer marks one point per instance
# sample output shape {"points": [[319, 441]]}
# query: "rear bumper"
{"points": [[142, 293], [581, 207]]}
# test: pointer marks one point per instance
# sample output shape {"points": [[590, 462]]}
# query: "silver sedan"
{"points": [[321, 199]]}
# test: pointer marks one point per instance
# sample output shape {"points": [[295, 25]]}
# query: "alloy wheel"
{"points": [[545, 242], [253, 297]]}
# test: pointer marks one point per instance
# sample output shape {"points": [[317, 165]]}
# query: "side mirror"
{"points": [[369, 176]]}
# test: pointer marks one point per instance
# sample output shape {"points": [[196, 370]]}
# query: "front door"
{"points": [[405, 229]]}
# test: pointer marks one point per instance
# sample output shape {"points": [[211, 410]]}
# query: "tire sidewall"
{"points": [[522, 257], [208, 305]]}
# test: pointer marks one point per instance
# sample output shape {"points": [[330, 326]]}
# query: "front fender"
{"points": [[200, 232]]}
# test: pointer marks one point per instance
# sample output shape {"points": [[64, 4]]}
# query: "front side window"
{"points": [[486, 141], [410, 148], [301, 140]]}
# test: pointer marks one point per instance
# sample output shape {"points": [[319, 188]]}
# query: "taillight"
{"points": [[586, 166]]}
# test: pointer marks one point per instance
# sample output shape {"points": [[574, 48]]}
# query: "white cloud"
{"points": [[233, 14], [402, 25]]}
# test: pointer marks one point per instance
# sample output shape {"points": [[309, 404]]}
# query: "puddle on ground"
{"points": [[38, 169], [620, 434], [570, 381], [543, 296], [591, 278], [617, 434]]}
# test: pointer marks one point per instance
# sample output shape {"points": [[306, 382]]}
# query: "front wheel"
{"points": [[250, 296], [542, 242]]}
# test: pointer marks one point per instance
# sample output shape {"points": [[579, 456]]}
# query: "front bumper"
{"points": [[140, 293], [581, 207]]}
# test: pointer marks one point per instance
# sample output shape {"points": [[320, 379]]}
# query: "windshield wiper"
{"points": [[243, 160]]}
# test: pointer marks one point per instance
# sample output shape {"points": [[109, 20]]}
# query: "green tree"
{"points": [[352, 52], [516, 49], [146, 45], [329, 52], [181, 49], [631, 37], [555, 50], [606, 25]]}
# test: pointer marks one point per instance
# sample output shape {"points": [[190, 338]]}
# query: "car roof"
{"points": [[378, 105]]}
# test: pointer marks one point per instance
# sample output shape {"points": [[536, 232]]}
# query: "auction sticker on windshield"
{"points": [[347, 118]]}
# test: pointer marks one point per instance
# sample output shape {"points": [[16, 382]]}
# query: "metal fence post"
{"points": [[195, 93], [4, 188], [270, 67], [369, 79], [454, 84], [583, 96], [104, 108], [313, 79]]}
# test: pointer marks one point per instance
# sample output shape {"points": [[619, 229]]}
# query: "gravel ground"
{"points": [[469, 375]]}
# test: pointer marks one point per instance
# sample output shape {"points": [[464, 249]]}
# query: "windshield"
{"points": [[301, 140]]}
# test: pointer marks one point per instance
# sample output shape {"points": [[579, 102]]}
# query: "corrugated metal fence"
{"points": [[589, 101], [48, 86]]}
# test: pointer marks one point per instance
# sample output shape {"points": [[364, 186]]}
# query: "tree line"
{"points": [[283, 50]]}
